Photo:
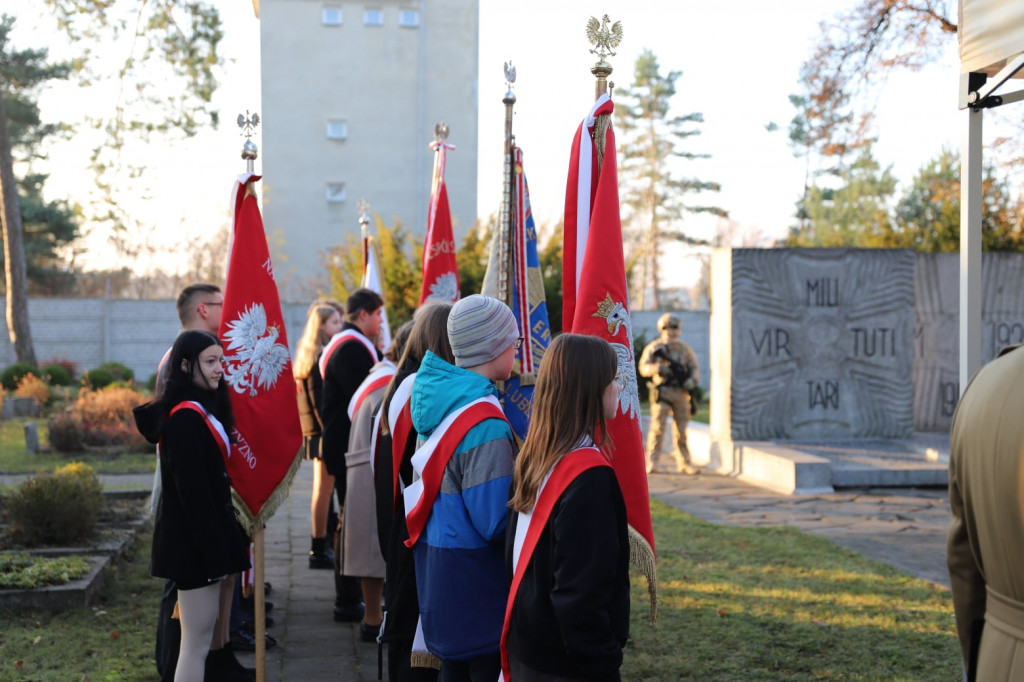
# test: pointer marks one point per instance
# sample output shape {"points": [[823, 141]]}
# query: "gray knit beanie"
{"points": [[480, 329]]}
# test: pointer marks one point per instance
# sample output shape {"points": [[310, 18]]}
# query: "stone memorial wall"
{"points": [[811, 344], [936, 331]]}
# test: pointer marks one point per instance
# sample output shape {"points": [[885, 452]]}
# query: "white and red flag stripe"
{"points": [[595, 303]]}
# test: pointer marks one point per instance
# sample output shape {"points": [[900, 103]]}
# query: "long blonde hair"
{"points": [[568, 406], [313, 339]]}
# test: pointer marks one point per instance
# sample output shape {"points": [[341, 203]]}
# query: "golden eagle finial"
{"points": [[602, 37]]}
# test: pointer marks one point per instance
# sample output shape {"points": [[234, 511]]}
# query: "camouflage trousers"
{"points": [[677, 408]]}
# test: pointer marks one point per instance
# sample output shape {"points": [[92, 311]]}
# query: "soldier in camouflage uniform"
{"points": [[672, 367]]}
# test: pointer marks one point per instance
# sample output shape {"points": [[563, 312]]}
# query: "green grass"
{"points": [[743, 604], [112, 640], [14, 459], [778, 604]]}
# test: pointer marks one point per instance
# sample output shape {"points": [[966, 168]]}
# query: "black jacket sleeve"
{"points": [[346, 369], [190, 457], [571, 613]]}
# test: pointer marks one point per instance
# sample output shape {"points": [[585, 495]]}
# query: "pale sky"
{"points": [[740, 62]]}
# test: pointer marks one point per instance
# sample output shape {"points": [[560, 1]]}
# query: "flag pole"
{"points": [[364, 230], [506, 229], [249, 154]]}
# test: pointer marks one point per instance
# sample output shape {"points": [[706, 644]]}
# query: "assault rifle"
{"points": [[680, 375], [680, 372]]}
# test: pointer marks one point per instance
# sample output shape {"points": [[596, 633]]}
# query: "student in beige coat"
{"points": [[985, 552]]}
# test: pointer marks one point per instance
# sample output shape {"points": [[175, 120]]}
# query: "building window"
{"points": [[408, 18], [331, 16], [337, 130], [373, 17], [336, 192]]}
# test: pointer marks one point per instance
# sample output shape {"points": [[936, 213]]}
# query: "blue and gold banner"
{"points": [[529, 306]]}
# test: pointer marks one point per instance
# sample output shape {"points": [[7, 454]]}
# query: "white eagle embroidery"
{"points": [[445, 288], [253, 358], [617, 317]]}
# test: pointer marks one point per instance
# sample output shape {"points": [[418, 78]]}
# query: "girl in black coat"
{"points": [[196, 538], [570, 613]]}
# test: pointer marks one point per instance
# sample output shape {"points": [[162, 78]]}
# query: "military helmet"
{"points": [[668, 320]]}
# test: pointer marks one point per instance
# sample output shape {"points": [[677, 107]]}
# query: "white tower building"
{"points": [[351, 93]]}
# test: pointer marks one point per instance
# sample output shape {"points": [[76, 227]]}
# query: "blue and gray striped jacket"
{"points": [[460, 570]]}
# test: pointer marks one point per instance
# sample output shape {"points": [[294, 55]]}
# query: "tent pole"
{"points": [[970, 246]]}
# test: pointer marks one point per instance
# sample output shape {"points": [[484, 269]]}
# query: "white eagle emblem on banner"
{"points": [[617, 318], [445, 288], [253, 359]]}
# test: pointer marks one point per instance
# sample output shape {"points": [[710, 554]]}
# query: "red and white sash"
{"points": [[378, 378], [216, 428], [431, 459], [400, 426], [340, 338], [531, 524]]}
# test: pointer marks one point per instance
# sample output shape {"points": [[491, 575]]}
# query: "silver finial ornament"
{"points": [[510, 74], [441, 131], [248, 123], [364, 211]]}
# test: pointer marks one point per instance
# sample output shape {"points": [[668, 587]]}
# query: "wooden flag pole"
{"points": [[260, 606]]}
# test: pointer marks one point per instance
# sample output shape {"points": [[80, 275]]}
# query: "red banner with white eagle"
{"points": [[595, 300], [257, 368], [440, 272]]}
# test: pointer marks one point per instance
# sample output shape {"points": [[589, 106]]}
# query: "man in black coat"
{"points": [[345, 362]]}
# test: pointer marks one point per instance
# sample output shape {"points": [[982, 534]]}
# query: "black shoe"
{"points": [[244, 640], [222, 666], [249, 605], [324, 559], [367, 632], [250, 626], [348, 614]]}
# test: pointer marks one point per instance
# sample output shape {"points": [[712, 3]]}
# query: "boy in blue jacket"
{"points": [[460, 570]]}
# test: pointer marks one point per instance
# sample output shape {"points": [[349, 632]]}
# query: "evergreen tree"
{"points": [[928, 214], [21, 72], [654, 194], [854, 214]]}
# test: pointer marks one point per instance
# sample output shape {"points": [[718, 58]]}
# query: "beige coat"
{"points": [[360, 548], [985, 552]]}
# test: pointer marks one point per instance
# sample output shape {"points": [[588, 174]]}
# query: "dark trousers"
{"points": [[168, 633], [399, 670], [480, 669]]}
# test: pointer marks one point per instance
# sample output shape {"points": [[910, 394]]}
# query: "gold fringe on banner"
{"points": [[421, 659], [641, 555], [252, 523]]}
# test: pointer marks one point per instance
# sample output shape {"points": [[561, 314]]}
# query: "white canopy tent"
{"points": [[991, 34]]}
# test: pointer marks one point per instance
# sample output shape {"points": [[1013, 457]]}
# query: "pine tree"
{"points": [[20, 72], [654, 194]]}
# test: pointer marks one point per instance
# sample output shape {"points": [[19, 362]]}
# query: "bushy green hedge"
{"points": [[57, 375], [57, 508], [12, 374], [97, 378]]}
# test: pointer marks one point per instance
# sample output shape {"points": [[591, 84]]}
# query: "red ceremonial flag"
{"points": [[257, 368], [440, 273], [595, 300]]}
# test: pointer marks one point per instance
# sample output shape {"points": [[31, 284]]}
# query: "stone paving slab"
{"points": [[905, 528]]}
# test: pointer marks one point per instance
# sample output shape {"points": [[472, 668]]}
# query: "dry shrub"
{"points": [[99, 418], [56, 508], [31, 386]]}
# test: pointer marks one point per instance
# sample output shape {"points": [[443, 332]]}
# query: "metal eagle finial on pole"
{"points": [[603, 37]]}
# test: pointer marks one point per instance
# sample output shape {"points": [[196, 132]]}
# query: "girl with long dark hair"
{"points": [[197, 540]]}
